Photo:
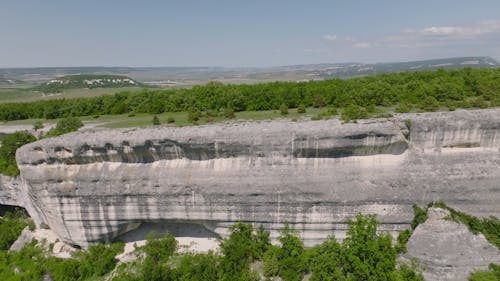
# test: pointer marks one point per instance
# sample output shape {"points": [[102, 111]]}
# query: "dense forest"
{"points": [[404, 92]]}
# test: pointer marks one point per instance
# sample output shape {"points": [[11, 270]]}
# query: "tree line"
{"points": [[405, 91]]}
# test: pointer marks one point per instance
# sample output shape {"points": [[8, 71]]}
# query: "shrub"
{"points": [[170, 120], [283, 109], [316, 117], [408, 123], [37, 125], [10, 144], [156, 121], [229, 113], [193, 116], [403, 108], [353, 112], [11, 226], [429, 103], [301, 108], [64, 126], [420, 216]]}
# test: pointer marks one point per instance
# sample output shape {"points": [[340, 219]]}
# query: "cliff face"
{"points": [[95, 185]]}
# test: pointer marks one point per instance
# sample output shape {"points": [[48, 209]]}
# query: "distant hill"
{"points": [[348, 70], [187, 76], [90, 81]]}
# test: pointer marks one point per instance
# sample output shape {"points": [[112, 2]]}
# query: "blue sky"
{"points": [[243, 33]]}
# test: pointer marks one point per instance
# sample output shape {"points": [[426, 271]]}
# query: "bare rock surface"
{"points": [[98, 184], [448, 250]]}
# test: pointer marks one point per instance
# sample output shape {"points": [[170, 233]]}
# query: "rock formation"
{"points": [[448, 250], [97, 184]]}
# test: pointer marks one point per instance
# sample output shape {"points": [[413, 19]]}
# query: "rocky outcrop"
{"points": [[448, 250], [96, 184]]}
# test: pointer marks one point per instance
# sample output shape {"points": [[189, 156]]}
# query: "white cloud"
{"points": [[480, 38], [330, 37], [477, 29]]}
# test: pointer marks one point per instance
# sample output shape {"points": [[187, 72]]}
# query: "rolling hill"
{"points": [[89, 81]]}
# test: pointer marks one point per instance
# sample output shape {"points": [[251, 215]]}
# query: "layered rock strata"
{"points": [[448, 250], [94, 185]]}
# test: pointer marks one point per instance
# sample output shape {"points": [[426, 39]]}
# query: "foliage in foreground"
{"points": [[493, 274], [8, 146], [363, 255]]}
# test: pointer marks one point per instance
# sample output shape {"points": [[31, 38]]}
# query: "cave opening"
{"points": [[11, 209], [176, 228]]}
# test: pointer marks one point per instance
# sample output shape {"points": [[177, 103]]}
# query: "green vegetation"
{"points": [[301, 108], [489, 227], [420, 216], [64, 126], [419, 91], [156, 121], [284, 109], [85, 81], [493, 274], [11, 225], [9, 145], [363, 255]]}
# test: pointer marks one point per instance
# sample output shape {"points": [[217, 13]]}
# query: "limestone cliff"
{"points": [[96, 184]]}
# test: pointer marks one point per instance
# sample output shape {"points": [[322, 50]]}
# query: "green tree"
{"points": [[8, 148], [292, 260], [238, 251]]}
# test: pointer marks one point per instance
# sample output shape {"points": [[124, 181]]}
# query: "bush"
{"points": [[64, 126], [429, 103], [193, 116], [316, 117], [170, 120], [8, 148], [11, 226], [37, 125], [301, 108], [283, 109], [420, 216], [229, 113], [156, 121], [403, 108], [353, 112]]}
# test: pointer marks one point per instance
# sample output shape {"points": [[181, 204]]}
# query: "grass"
{"points": [[181, 118]]}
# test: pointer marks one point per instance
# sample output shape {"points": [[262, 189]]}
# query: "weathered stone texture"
{"points": [[448, 250], [93, 185]]}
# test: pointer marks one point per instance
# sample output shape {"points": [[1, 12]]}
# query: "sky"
{"points": [[237, 33]]}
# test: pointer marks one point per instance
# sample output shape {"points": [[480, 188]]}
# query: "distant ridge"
{"points": [[86, 81], [198, 75]]}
